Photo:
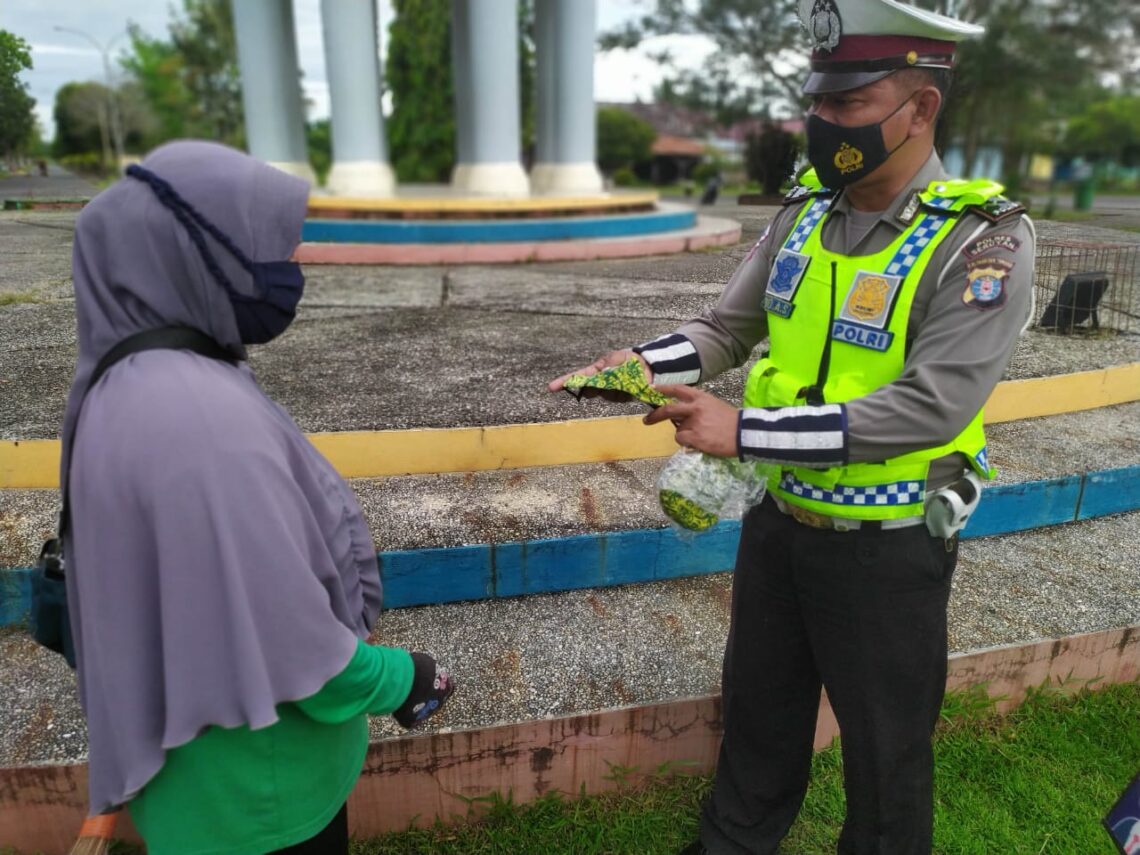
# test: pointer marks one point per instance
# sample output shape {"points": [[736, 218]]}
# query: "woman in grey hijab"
{"points": [[221, 579]]}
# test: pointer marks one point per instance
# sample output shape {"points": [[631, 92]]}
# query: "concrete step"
{"points": [[456, 509], [580, 651], [584, 650]]}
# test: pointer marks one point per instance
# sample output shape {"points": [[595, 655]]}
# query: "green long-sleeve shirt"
{"points": [[239, 791]]}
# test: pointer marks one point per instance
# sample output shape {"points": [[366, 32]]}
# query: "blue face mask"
{"points": [[277, 284], [264, 317]]}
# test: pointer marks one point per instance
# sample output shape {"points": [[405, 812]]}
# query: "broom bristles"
{"points": [[95, 835]]}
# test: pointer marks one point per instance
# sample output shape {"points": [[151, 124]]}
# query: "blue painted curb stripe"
{"points": [[1031, 504], [495, 231], [446, 575]]}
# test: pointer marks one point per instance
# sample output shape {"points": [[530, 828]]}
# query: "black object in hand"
{"points": [[431, 687]]}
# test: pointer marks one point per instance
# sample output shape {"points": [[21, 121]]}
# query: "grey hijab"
{"points": [[217, 564]]}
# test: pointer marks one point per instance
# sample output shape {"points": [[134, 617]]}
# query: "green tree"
{"points": [[190, 80], [770, 157], [1034, 66], [17, 121], [418, 74], [528, 76], [1108, 129], [759, 51], [81, 122], [710, 90], [156, 66], [318, 136], [205, 40], [623, 139], [421, 129]]}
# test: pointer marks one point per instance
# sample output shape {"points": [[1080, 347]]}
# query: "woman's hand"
{"points": [[432, 685]]}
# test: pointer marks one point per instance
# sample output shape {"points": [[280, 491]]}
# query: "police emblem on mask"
{"points": [[824, 25], [848, 159], [868, 298], [985, 283]]}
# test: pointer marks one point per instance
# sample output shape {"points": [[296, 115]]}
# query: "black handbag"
{"points": [[49, 622]]}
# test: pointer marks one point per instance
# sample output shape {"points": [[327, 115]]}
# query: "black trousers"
{"points": [[863, 614], [332, 840]]}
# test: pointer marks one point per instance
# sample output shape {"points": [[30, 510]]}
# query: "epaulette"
{"points": [[801, 192], [998, 208]]}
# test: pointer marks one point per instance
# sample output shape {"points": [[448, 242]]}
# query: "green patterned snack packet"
{"points": [[629, 377], [685, 512]]}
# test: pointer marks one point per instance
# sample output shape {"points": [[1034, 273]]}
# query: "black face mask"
{"points": [[277, 284], [842, 156]]}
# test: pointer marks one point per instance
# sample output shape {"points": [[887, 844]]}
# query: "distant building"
{"points": [[674, 159], [987, 162]]}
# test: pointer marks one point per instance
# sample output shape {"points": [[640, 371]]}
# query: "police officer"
{"points": [[891, 298]]}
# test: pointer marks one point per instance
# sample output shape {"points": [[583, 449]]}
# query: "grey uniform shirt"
{"points": [[956, 351]]}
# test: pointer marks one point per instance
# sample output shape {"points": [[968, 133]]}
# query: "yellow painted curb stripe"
{"points": [[476, 203], [1063, 393], [376, 454]]}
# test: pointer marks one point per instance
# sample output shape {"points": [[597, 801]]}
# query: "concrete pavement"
{"points": [[382, 348]]}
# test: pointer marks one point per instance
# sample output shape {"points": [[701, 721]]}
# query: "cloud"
{"points": [[631, 75]]}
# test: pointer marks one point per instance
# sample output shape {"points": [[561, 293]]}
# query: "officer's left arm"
{"points": [[983, 299]]}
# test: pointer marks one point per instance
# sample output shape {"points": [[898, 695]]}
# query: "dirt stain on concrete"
{"points": [[588, 505]]}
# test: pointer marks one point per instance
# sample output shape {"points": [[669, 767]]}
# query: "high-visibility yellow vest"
{"points": [[867, 325]]}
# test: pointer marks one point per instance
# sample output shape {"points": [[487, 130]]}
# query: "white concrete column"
{"points": [[360, 157], [487, 100], [271, 84], [461, 89], [566, 132]]}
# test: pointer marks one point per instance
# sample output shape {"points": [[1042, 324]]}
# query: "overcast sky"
{"points": [[61, 57]]}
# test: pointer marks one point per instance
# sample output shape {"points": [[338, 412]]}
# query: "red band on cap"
{"points": [[856, 48]]}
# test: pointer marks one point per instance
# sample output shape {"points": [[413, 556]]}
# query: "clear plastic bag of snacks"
{"points": [[697, 490]]}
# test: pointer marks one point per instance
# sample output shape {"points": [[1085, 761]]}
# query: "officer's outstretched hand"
{"points": [[608, 360], [703, 421], [431, 687]]}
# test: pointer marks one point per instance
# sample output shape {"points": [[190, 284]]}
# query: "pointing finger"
{"points": [[679, 391]]}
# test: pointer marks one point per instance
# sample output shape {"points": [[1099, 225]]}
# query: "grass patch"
{"points": [[658, 814], [1037, 780], [11, 298], [1064, 215]]}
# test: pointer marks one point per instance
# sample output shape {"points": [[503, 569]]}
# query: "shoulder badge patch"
{"points": [[801, 193], [998, 208], [910, 209], [985, 282], [798, 194], [989, 243]]}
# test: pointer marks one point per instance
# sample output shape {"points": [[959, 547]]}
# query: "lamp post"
{"points": [[112, 101]]}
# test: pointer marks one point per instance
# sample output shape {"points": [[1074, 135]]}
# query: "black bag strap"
{"points": [[162, 338]]}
